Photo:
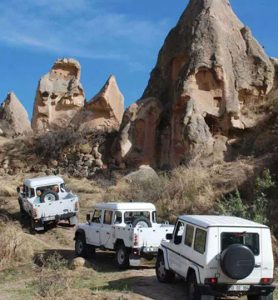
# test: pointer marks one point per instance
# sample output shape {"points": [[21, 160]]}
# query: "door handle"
{"points": [[97, 231], [257, 265], [107, 232]]}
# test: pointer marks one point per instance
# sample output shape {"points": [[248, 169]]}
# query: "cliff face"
{"points": [[59, 96], [14, 119], [209, 75]]}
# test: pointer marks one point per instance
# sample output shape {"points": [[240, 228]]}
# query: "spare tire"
{"points": [[142, 222], [237, 261], [49, 196]]}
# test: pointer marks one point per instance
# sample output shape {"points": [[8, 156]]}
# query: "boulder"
{"points": [[144, 173], [103, 112], [14, 120], [209, 75], [59, 96]]}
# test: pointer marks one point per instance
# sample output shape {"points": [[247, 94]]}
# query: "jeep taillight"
{"points": [[76, 206], [212, 280], [135, 240], [266, 280]]}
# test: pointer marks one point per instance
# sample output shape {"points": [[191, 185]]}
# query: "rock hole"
{"points": [[213, 124]]}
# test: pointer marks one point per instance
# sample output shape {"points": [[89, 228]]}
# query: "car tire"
{"points": [[49, 196], [192, 287], [82, 248], [268, 297], [162, 274], [142, 222], [122, 257]]}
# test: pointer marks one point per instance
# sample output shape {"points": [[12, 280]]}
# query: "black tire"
{"points": [[268, 297], [82, 248], [142, 222], [162, 274], [49, 196], [23, 213], [122, 257], [192, 287], [237, 261]]}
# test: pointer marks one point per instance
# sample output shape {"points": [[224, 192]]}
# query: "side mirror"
{"points": [[18, 189], [169, 236], [88, 218]]}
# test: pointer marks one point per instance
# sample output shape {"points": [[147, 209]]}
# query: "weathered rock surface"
{"points": [[59, 96], [105, 111], [14, 119], [144, 173], [272, 97], [209, 75]]}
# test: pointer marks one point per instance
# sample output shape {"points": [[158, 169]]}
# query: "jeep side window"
{"points": [[108, 217], [118, 217], [32, 193], [189, 235], [200, 241], [97, 216], [179, 233]]}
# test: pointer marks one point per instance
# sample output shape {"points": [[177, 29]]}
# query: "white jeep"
{"points": [[130, 229], [45, 200], [218, 256]]}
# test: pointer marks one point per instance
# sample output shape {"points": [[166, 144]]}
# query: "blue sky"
{"points": [[120, 37]]}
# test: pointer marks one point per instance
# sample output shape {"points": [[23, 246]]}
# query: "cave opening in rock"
{"points": [[213, 124]]}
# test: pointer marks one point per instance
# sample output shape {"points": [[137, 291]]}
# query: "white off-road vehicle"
{"points": [[218, 256], [130, 229], [46, 199]]}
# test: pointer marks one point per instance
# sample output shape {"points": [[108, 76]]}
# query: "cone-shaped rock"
{"points": [[59, 96], [14, 119], [104, 111], [209, 75]]}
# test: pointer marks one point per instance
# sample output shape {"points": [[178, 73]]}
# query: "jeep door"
{"points": [[106, 230], [250, 237], [175, 246], [93, 236]]}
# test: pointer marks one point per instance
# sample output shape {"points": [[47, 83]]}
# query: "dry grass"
{"points": [[183, 190], [15, 247]]}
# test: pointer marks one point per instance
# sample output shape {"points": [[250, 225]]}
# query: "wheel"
{"points": [[192, 288], [82, 248], [268, 297], [122, 257], [49, 196], [141, 222], [163, 275]]}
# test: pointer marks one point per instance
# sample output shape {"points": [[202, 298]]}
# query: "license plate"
{"points": [[239, 288]]}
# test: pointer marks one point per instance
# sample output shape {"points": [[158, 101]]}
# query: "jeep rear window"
{"points": [[249, 239], [131, 216]]}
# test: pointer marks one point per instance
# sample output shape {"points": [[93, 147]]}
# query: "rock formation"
{"points": [[209, 75], [59, 96], [14, 119], [105, 111], [272, 97]]}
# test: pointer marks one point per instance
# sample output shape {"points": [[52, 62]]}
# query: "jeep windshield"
{"points": [[248, 239]]}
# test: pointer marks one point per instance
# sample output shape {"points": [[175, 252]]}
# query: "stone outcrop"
{"points": [[210, 74], [59, 96], [272, 97], [14, 119], [103, 112]]}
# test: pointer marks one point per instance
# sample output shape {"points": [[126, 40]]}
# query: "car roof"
{"points": [[126, 206], [43, 181], [206, 221]]}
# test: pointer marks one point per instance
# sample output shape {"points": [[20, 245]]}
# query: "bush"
{"points": [[258, 210], [14, 247]]}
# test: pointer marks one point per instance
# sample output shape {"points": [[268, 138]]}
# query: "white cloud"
{"points": [[84, 28]]}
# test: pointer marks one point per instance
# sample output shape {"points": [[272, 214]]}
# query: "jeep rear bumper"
{"points": [[223, 290], [58, 217]]}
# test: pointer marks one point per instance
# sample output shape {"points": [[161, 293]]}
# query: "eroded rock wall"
{"points": [[210, 74], [59, 96]]}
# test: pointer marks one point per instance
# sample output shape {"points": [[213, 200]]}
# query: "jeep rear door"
{"points": [[250, 237]]}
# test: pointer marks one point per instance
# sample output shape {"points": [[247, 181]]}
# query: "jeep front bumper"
{"points": [[221, 290]]}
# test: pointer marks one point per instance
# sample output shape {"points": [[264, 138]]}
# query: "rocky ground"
{"points": [[49, 272]]}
